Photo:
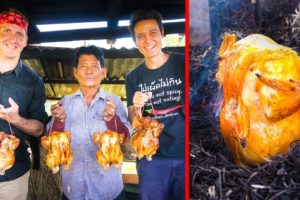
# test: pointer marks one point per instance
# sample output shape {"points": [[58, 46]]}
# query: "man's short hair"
{"points": [[143, 14], [89, 50]]}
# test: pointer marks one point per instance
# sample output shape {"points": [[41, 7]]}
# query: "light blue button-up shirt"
{"points": [[86, 180]]}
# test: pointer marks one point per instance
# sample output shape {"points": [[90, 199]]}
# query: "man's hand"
{"points": [[58, 112], [10, 114], [109, 110], [139, 99]]}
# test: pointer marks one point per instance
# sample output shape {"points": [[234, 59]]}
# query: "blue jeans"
{"points": [[161, 179]]}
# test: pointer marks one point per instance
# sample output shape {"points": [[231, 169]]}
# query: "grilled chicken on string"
{"points": [[8, 144], [145, 140], [109, 149]]}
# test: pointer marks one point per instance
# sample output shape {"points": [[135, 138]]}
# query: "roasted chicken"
{"points": [[57, 144], [8, 144], [145, 140], [109, 149], [261, 87]]}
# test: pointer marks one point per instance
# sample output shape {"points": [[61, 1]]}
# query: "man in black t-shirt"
{"points": [[22, 99], [155, 88]]}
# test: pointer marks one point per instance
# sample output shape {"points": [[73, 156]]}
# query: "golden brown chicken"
{"points": [[145, 140], [57, 144], [109, 148], [261, 87], [8, 144]]}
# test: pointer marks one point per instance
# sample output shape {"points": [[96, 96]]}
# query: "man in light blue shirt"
{"points": [[87, 111]]}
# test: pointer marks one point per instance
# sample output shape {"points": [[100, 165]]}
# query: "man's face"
{"points": [[88, 72], [13, 39], [148, 38]]}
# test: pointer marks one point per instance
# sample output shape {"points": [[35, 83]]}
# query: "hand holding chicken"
{"points": [[8, 144], [145, 141], [261, 87], [58, 112], [109, 110], [109, 149], [140, 98], [57, 144]]}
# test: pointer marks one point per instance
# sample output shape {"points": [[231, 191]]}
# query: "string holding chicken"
{"points": [[57, 144], [261, 87], [109, 151], [145, 140], [8, 144]]}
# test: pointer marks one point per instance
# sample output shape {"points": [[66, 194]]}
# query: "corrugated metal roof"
{"points": [[55, 67]]}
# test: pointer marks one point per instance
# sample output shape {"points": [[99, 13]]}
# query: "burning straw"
{"points": [[213, 173]]}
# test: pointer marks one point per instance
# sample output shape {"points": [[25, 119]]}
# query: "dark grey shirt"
{"points": [[167, 86], [27, 89]]}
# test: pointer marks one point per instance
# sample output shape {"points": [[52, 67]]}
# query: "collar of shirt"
{"points": [[100, 94], [16, 70]]}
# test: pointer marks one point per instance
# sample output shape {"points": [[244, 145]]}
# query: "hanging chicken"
{"points": [[109, 148], [261, 87], [57, 144], [8, 144], [145, 140]]}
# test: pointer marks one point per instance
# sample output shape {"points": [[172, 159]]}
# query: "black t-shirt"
{"points": [[167, 86], [27, 90]]}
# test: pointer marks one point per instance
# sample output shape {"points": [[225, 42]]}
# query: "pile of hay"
{"points": [[43, 184]]}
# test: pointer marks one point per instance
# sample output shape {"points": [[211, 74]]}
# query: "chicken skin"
{"points": [[8, 144], [145, 140], [57, 144], [109, 149], [261, 87]]}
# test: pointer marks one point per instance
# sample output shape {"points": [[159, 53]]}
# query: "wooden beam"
{"points": [[32, 52], [113, 13]]}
